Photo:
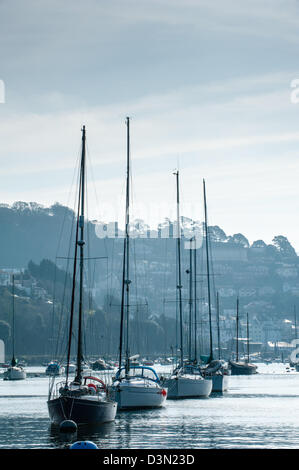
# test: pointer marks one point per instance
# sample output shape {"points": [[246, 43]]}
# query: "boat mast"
{"points": [[295, 321], [247, 339], [218, 326], [189, 271], [195, 305], [125, 276], [127, 281], [208, 270], [81, 242], [237, 342], [13, 361], [179, 286], [73, 290]]}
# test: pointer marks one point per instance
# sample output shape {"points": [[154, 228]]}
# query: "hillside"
{"points": [[265, 277]]}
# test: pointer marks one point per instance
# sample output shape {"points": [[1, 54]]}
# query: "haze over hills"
{"points": [[265, 277]]}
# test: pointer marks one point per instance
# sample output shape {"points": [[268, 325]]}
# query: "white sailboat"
{"points": [[139, 387], [133, 386], [217, 370], [187, 380], [14, 371]]}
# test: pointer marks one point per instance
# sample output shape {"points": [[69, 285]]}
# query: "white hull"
{"points": [[220, 383], [185, 386], [130, 394], [14, 373]]}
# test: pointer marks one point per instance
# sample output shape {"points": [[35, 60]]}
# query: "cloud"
{"points": [[206, 83], [218, 116]]}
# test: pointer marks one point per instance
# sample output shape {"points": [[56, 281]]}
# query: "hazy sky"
{"points": [[206, 82]]}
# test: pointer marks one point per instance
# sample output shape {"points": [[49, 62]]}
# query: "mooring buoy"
{"points": [[68, 426], [84, 445]]}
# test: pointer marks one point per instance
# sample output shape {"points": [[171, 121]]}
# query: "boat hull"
{"points": [[181, 387], [54, 370], [138, 397], [220, 383], [81, 410], [238, 368], [14, 373]]}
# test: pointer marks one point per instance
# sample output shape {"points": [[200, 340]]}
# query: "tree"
{"points": [[216, 234], [283, 245], [259, 244], [239, 239]]}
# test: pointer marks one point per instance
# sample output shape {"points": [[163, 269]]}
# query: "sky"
{"points": [[207, 85]]}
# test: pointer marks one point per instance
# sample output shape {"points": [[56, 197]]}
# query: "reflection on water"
{"points": [[257, 411], [95, 433]]}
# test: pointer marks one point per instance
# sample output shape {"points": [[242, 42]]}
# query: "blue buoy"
{"points": [[68, 426], [84, 445]]}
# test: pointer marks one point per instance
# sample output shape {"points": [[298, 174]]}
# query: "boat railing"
{"points": [[138, 372], [140, 378], [61, 390]]}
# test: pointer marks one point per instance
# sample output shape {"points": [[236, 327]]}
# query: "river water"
{"points": [[258, 411]]}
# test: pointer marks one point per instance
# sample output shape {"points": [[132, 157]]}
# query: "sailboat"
{"points": [[133, 386], [84, 400], [215, 368], [186, 380], [14, 371], [218, 368], [238, 367], [295, 364]]}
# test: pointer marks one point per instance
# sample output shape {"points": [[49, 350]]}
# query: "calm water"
{"points": [[257, 411]]}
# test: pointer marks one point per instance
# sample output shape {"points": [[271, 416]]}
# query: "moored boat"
{"points": [[217, 370], [100, 364], [54, 369], [85, 403], [188, 382], [84, 400], [141, 388], [132, 386], [238, 367], [242, 368], [15, 371]]}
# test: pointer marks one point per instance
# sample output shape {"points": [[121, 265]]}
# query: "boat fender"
{"points": [[92, 388], [103, 385]]}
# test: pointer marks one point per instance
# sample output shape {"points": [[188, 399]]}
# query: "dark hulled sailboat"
{"points": [[85, 399], [238, 367]]}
